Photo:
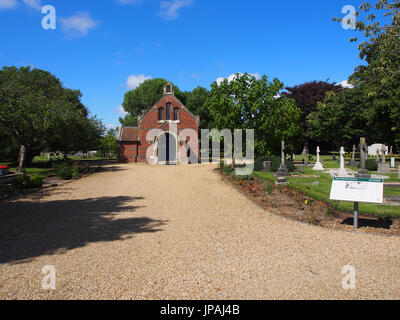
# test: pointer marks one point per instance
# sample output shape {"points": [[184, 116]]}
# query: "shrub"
{"points": [[259, 162], [275, 163], [65, 172], [228, 169], [21, 182], [243, 178], [268, 188], [36, 181], [25, 181], [221, 165], [371, 165]]}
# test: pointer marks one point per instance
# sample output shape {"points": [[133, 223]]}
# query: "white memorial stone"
{"points": [[376, 148], [393, 163], [318, 166], [342, 171]]}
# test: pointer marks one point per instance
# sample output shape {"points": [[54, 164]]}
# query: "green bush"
{"points": [[275, 164], [268, 188], [259, 162], [21, 182], [65, 172], [371, 165], [25, 181], [228, 169], [36, 181], [221, 165], [242, 178]]}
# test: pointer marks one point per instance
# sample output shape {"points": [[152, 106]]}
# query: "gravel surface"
{"points": [[179, 232]]}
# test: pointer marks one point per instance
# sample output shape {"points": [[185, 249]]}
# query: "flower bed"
{"points": [[286, 202]]}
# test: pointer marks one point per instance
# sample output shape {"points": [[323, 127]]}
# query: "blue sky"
{"points": [[106, 47]]}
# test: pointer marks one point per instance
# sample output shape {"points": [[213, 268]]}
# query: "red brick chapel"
{"points": [[164, 146]]}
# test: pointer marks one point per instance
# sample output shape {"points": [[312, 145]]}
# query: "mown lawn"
{"points": [[322, 192]]}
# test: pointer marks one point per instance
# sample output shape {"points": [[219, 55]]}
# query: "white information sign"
{"points": [[357, 190]]}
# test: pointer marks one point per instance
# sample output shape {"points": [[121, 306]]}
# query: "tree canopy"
{"points": [[38, 112], [248, 103]]}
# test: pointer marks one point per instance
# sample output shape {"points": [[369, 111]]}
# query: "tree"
{"points": [[340, 119], [379, 80], [196, 103], [145, 96], [376, 32], [129, 121], [248, 103], [39, 113], [109, 144], [307, 96]]}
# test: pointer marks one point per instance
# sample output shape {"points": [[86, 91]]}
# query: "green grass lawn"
{"points": [[322, 192], [37, 165]]}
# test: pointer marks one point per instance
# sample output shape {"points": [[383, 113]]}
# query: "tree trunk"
{"points": [[21, 159]]}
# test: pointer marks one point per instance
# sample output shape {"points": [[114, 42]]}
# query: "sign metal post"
{"points": [[357, 190], [355, 215]]}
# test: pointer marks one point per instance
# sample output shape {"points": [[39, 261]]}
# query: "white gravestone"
{"points": [[376, 148], [393, 163], [318, 166], [342, 171]]}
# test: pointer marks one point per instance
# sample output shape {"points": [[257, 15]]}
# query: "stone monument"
{"points": [[266, 166], [393, 163], [318, 166], [362, 172], [283, 172], [383, 167], [342, 171], [353, 162]]}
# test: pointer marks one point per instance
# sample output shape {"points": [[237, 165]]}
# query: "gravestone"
{"points": [[383, 167], [283, 171], [393, 163], [376, 148], [353, 162], [334, 157], [391, 150], [318, 166], [362, 172], [342, 171], [266, 166]]}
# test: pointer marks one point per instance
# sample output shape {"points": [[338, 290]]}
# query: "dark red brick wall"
{"points": [[136, 152]]}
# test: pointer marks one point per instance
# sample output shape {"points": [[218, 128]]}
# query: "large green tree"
{"points": [[248, 103], [40, 114], [145, 96], [377, 83], [196, 103], [307, 97]]}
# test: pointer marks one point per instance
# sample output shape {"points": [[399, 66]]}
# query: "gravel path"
{"points": [[156, 232]]}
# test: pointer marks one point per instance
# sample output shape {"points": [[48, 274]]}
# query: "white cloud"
{"points": [[8, 4], [135, 80], [346, 84], [120, 110], [110, 126], [78, 25], [233, 76], [35, 4], [169, 9]]}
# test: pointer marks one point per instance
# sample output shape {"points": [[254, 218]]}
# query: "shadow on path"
{"points": [[32, 229]]}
